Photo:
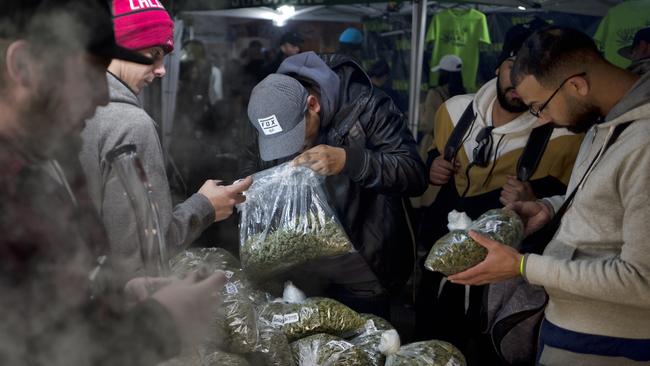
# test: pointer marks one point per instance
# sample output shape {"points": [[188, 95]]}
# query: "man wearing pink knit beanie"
{"points": [[143, 26]]}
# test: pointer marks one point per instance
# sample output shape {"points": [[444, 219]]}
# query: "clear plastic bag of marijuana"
{"points": [[327, 350], [457, 251], [273, 348], [220, 358], [373, 339], [286, 221], [427, 353], [314, 315], [235, 320]]}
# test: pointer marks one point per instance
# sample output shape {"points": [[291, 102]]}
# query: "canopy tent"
{"points": [[353, 11]]}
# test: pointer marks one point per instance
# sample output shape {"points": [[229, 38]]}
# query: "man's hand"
{"points": [[224, 198], [140, 288], [515, 190], [323, 159], [192, 304], [534, 214], [501, 263], [442, 170]]}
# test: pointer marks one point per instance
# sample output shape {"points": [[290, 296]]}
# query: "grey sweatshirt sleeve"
{"points": [[182, 224], [621, 278]]}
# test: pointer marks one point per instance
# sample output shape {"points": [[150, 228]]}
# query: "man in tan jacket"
{"points": [[596, 268]]}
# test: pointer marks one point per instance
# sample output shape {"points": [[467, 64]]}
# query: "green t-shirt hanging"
{"points": [[458, 32], [618, 27]]}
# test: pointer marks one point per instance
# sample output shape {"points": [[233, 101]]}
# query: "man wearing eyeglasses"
{"points": [[596, 268], [478, 175]]}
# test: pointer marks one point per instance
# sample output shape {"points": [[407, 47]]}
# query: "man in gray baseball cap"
{"points": [[323, 112], [280, 118]]}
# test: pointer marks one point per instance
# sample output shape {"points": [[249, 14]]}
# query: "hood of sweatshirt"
{"points": [[119, 92], [310, 66]]}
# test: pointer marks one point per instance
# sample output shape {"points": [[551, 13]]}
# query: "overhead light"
{"points": [[521, 7], [283, 13]]}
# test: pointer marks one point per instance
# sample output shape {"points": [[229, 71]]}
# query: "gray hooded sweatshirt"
{"points": [[123, 121], [596, 269]]}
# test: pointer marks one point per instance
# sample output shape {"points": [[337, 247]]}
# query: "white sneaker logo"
{"points": [[270, 125]]}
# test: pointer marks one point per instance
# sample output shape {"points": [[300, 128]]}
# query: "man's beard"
{"points": [[514, 106], [44, 133], [584, 116]]}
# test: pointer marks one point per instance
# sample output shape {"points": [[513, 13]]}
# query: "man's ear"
{"points": [[580, 85], [313, 104], [19, 64]]}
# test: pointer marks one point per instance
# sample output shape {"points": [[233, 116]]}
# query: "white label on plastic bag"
{"points": [[231, 289], [291, 318], [229, 274], [342, 345], [270, 125], [278, 320]]}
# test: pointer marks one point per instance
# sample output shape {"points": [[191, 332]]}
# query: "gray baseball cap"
{"points": [[277, 108]]}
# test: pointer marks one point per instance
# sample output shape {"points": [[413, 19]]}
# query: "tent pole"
{"points": [[418, 28]]}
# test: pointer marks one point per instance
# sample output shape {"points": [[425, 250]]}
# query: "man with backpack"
{"points": [[487, 152], [595, 269]]}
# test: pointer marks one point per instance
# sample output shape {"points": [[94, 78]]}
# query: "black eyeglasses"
{"points": [[537, 111], [483, 149]]}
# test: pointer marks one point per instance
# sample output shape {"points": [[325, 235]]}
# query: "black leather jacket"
{"points": [[382, 169]]}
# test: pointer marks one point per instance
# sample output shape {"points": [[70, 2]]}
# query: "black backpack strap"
{"points": [[533, 151], [456, 138]]}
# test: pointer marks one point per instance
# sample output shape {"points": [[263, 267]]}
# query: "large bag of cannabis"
{"points": [[376, 338], [235, 324], [286, 221], [427, 353], [314, 315], [327, 350], [457, 251]]}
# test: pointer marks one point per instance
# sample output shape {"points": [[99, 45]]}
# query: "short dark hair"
{"points": [[552, 53]]}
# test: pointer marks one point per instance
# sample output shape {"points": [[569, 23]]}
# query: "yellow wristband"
{"points": [[521, 265]]}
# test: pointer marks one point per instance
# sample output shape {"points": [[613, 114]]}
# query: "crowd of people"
{"points": [[557, 136]]}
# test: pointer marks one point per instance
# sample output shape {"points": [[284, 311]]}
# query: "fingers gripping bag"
{"points": [[286, 221], [457, 251], [427, 353]]}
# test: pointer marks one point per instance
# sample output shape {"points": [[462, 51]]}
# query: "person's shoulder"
{"points": [[121, 119], [456, 105]]}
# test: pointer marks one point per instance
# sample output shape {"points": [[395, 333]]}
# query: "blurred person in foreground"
{"points": [[146, 29], [596, 267], [52, 309]]}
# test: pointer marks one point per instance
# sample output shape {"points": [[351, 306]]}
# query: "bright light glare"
{"points": [[283, 14], [521, 7]]}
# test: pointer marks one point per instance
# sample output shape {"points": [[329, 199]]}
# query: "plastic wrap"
{"points": [[220, 358], [314, 315], [286, 221], [273, 348], [457, 251], [235, 319], [370, 338], [327, 350], [427, 353]]}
